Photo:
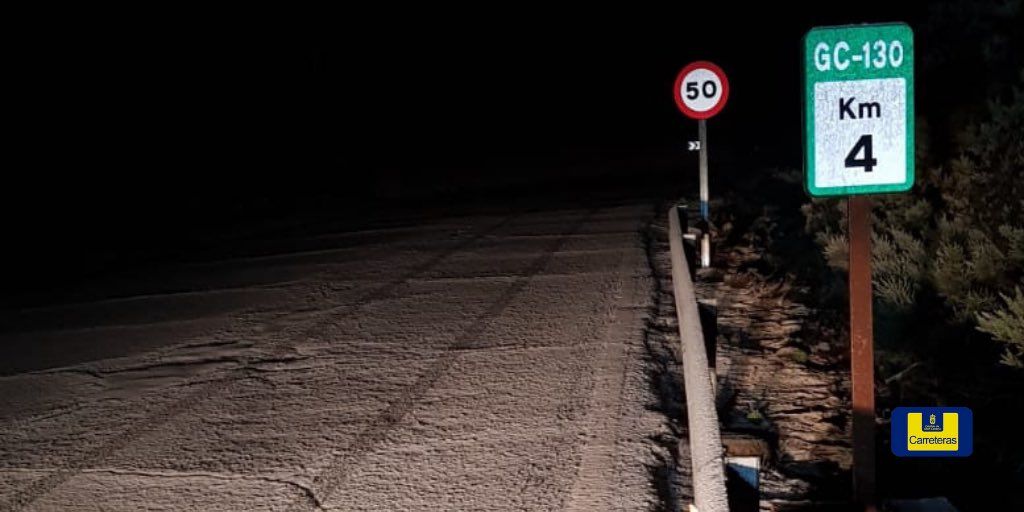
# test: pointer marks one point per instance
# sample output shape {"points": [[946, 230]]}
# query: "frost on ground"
{"points": [[470, 363]]}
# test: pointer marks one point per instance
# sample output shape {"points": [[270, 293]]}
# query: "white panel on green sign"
{"points": [[843, 113], [858, 109]]}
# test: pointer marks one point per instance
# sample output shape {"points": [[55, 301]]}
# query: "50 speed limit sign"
{"points": [[701, 90], [859, 109]]}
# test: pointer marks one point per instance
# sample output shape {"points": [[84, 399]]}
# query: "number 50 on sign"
{"points": [[859, 109]]}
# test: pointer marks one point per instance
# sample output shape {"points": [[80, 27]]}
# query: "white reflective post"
{"points": [[705, 241]]}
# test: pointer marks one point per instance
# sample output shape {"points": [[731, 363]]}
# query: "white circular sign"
{"points": [[701, 90]]}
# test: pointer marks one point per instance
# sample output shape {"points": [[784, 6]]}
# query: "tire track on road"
{"points": [[240, 324], [284, 333], [597, 477], [324, 484]]}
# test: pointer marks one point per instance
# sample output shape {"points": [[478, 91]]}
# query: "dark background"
{"points": [[136, 133]]}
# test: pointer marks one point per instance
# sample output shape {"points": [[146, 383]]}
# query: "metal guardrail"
{"points": [[706, 453]]}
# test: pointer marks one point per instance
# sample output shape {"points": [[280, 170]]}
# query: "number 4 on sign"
{"points": [[863, 145]]}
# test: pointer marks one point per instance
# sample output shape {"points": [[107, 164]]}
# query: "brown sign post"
{"points": [[862, 357]]}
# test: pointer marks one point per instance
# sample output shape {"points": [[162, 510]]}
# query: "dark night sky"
{"points": [[146, 129], [424, 85]]}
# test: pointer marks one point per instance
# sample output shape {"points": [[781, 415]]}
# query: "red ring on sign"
{"points": [[677, 93]]}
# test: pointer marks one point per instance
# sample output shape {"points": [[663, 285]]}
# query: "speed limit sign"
{"points": [[701, 90]]}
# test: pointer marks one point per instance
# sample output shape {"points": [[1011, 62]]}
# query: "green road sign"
{"points": [[859, 109]]}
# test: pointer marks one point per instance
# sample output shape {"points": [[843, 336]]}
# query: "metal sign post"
{"points": [[862, 357], [705, 241], [701, 90], [859, 139]]}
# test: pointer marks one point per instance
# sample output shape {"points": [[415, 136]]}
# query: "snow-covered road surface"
{"points": [[488, 362]]}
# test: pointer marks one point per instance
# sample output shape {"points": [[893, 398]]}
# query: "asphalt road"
{"points": [[492, 361]]}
